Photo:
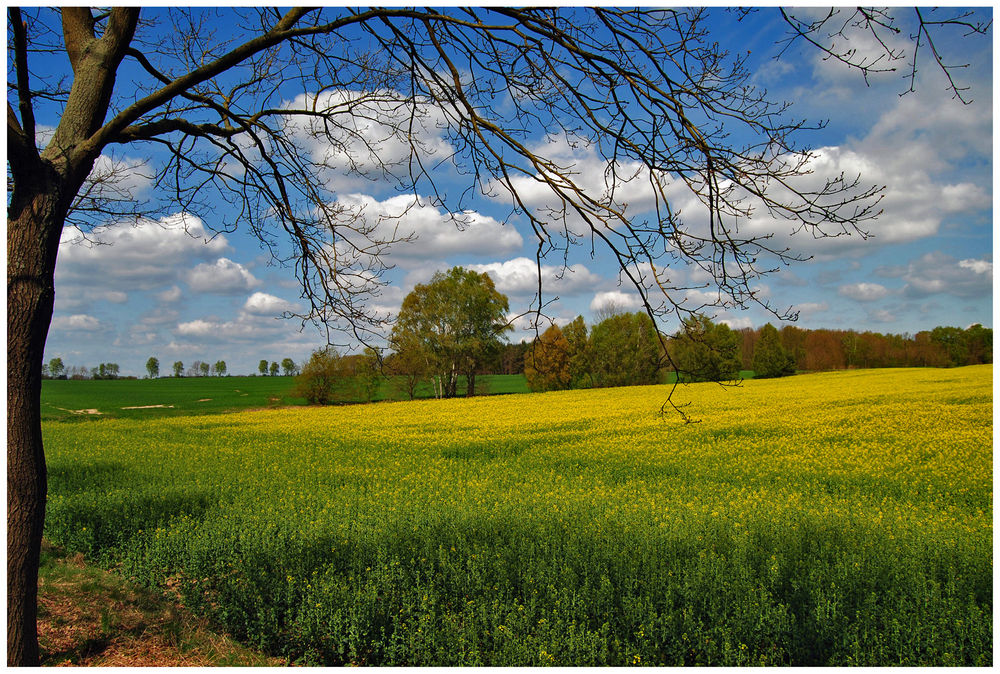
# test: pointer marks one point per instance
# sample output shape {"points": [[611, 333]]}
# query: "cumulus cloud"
{"points": [[141, 257], [118, 178], [81, 297], [245, 328], [362, 134], [423, 230], [617, 299], [864, 292], [262, 304], [625, 186], [223, 277], [977, 266], [737, 322], [938, 272], [519, 277], [811, 309], [881, 316], [171, 294], [77, 323], [914, 206]]}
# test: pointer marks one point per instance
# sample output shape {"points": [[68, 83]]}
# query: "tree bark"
{"points": [[34, 225]]}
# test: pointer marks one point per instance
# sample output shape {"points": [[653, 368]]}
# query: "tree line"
{"points": [[824, 349], [623, 349], [56, 369], [453, 329]]}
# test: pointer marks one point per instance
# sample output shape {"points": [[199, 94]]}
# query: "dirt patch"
{"points": [[145, 407], [91, 618], [89, 410], [203, 400]]}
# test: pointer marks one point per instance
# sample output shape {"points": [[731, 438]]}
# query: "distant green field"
{"points": [[64, 400]]}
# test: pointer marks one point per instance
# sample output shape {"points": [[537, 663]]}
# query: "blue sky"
{"points": [[156, 291]]}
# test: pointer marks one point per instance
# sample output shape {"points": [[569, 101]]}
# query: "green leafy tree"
{"points": [[706, 351], [576, 336], [178, 368], [153, 367], [456, 321], [979, 343], [408, 365], [289, 368], [624, 350], [274, 369], [220, 368], [769, 357], [369, 373], [204, 369], [547, 362], [326, 377], [262, 368], [952, 340], [56, 368]]}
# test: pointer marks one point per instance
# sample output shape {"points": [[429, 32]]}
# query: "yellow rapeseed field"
{"points": [[834, 518]]}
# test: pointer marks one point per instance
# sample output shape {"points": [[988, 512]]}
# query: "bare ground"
{"points": [[88, 617]]}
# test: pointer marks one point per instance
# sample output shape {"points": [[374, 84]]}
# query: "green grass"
{"points": [[163, 397], [801, 522], [64, 400]]}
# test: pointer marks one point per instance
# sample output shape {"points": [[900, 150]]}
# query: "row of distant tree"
{"points": [[56, 369], [944, 346], [288, 367], [623, 349]]}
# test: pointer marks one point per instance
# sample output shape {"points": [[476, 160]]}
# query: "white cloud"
{"points": [[423, 230], [882, 316], [267, 305], [616, 298], [77, 323], [519, 277], [146, 256], [938, 272], [199, 328], [810, 309], [737, 323], [977, 266], [115, 296], [80, 297], [362, 134], [625, 186], [169, 295], [245, 328], [223, 277], [864, 292], [118, 178]]}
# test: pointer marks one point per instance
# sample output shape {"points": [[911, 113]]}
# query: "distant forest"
{"points": [[825, 349]]}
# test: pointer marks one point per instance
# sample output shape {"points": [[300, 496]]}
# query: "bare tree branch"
{"points": [[841, 24]]}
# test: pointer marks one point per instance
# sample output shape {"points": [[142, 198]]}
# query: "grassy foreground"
{"points": [[832, 519]]}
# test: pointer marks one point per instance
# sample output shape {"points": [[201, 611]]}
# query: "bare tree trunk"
{"points": [[470, 384], [33, 229]]}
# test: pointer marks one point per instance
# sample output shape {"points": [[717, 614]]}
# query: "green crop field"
{"points": [[152, 398], [840, 518]]}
